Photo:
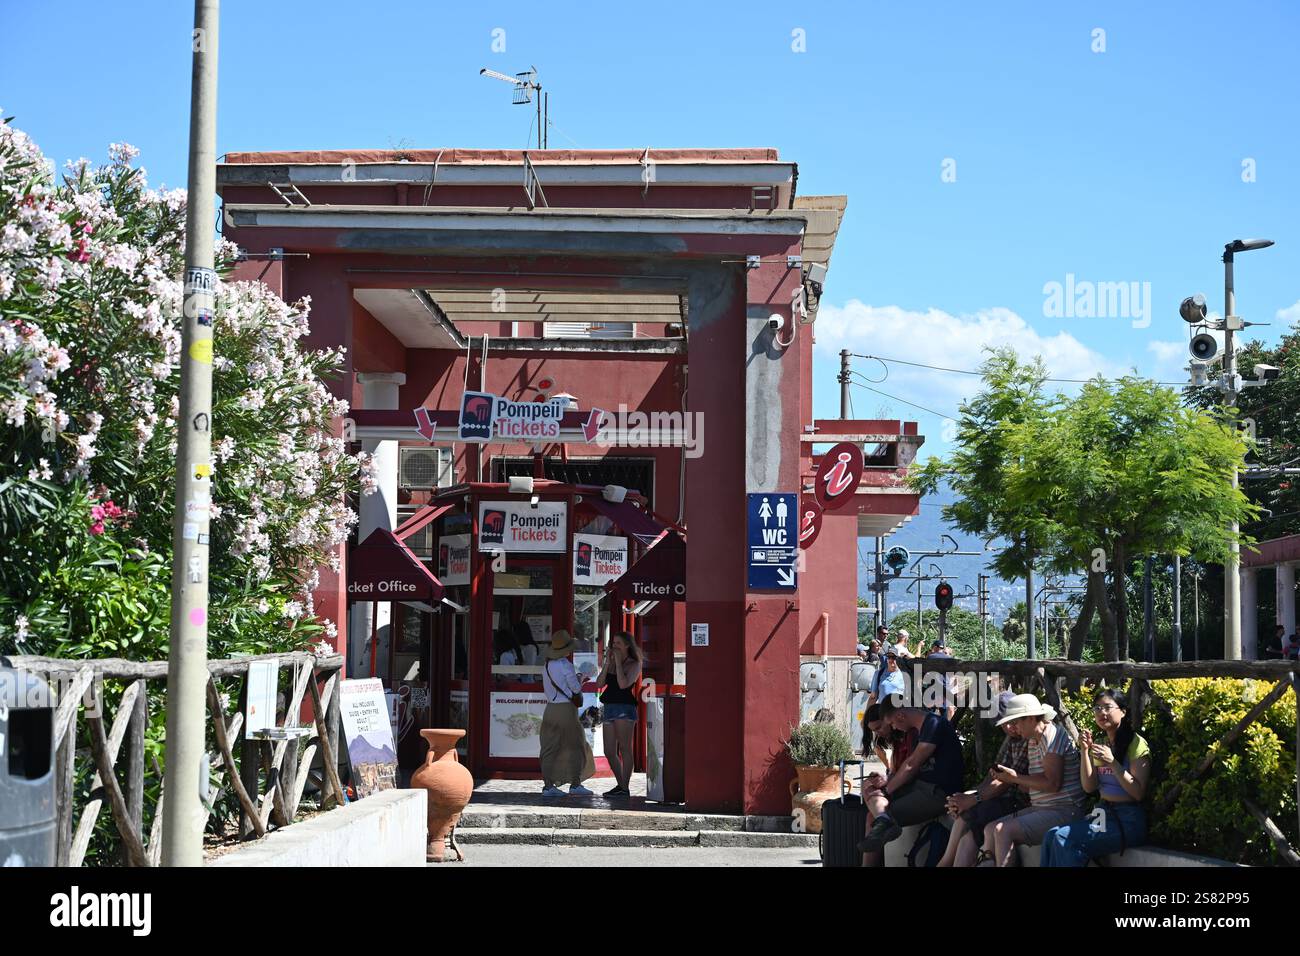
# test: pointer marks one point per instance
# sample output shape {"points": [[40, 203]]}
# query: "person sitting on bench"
{"points": [[919, 789]]}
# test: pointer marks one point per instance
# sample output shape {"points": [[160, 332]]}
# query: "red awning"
{"points": [[424, 516], [383, 568], [659, 575], [631, 519]]}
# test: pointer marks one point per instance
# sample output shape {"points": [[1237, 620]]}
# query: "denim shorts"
{"points": [[619, 712]]}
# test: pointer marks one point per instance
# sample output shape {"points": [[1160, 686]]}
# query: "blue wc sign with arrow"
{"points": [[773, 524]]}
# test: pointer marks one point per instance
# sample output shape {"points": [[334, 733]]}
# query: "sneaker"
{"points": [[552, 792], [578, 790], [618, 792], [883, 831]]}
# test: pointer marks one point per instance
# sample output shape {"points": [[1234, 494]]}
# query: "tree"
{"points": [[90, 313], [1125, 470], [978, 469]]}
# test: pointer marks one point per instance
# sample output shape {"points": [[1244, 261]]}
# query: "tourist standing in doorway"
{"points": [[621, 671], [565, 754]]}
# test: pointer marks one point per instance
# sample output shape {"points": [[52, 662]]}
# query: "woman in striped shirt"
{"points": [[1055, 793]]}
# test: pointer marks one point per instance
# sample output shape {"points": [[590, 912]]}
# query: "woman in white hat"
{"points": [[565, 755], [1055, 794]]}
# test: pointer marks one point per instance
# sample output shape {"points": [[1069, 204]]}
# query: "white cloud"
{"points": [[1290, 315], [935, 337]]}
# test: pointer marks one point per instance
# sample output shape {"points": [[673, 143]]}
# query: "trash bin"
{"points": [[27, 812]]}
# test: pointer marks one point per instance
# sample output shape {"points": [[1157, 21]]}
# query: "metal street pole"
{"points": [[1231, 580], [984, 616], [1178, 608], [1149, 609], [186, 775], [880, 580], [1029, 612]]}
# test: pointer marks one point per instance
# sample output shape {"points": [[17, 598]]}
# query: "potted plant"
{"points": [[816, 749]]}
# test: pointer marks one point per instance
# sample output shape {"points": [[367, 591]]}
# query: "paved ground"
{"points": [[588, 856]]}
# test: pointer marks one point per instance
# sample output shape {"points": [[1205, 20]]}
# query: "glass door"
{"points": [[522, 619]]}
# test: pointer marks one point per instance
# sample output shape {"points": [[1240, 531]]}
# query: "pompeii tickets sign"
{"points": [[598, 558], [518, 526], [483, 415], [453, 559]]}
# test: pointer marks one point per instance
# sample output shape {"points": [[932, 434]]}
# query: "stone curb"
{"points": [[547, 836]]}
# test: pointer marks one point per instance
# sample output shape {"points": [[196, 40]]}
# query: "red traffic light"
{"points": [[943, 596]]}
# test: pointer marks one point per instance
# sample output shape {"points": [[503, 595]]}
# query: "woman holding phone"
{"points": [[1120, 768], [621, 671]]}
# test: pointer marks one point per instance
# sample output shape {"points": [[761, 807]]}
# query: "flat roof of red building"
{"points": [[452, 156]]}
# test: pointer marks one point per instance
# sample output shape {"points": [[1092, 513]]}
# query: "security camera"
{"points": [[1199, 374], [1267, 372], [816, 277], [1194, 309], [1204, 347], [774, 322]]}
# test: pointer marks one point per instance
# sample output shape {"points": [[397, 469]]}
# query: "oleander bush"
{"points": [[90, 337]]}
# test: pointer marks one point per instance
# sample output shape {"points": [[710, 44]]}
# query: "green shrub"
{"points": [[818, 745], [1210, 815]]}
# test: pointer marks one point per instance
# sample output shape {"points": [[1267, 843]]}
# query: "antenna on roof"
{"points": [[525, 85]]}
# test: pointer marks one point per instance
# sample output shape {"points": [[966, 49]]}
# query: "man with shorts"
{"points": [[918, 791]]}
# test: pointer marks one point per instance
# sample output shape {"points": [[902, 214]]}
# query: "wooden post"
{"points": [[135, 756], [331, 789], [333, 717], [65, 732], [90, 812], [250, 763], [130, 837], [223, 745], [1288, 855]]}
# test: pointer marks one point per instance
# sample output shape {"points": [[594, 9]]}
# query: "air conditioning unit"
{"points": [[424, 468]]}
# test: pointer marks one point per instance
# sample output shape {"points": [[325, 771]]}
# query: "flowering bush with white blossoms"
{"points": [[90, 337]]}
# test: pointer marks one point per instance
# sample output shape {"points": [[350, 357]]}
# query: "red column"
{"points": [[773, 422]]}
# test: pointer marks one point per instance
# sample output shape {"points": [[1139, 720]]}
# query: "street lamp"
{"points": [[1193, 310]]}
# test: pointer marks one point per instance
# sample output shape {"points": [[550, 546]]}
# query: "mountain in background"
{"points": [[925, 533]]}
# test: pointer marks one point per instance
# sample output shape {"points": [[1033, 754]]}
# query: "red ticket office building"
{"points": [[678, 285]]}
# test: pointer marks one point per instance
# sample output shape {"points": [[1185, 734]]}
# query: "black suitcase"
{"points": [[844, 823]]}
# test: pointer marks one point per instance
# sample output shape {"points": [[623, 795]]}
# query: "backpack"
{"points": [[930, 845]]}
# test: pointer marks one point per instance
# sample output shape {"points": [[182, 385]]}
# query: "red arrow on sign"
{"points": [[423, 424], [591, 427]]}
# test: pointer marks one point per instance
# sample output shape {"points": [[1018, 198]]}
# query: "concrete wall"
{"points": [[387, 829]]}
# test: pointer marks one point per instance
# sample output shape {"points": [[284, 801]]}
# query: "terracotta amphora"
{"points": [[450, 786]]}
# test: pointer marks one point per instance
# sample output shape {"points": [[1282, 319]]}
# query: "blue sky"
{"points": [[1124, 165]]}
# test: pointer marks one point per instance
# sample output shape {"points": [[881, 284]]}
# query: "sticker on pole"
{"points": [[773, 541]]}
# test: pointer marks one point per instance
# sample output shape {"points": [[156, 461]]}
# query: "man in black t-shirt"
{"points": [[919, 789]]}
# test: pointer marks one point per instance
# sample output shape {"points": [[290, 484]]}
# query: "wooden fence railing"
{"points": [[267, 777], [1049, 675]]}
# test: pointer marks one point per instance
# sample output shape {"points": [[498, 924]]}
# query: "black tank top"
{"points": [[615, 694]]}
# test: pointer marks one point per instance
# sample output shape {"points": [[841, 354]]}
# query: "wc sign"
{"points": [[773, 540]]}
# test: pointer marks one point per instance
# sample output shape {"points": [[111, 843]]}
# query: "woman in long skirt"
{"points": [[564, 744]]}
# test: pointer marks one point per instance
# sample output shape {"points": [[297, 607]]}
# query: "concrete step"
{"points": [[576, 818], [560, 836]]}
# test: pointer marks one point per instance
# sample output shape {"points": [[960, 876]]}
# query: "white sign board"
{"points": [[453, 559], [699, 635], [369, 735], [598, 558], [516, 729], [483, 414], [517, 526], [263, 677]]}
